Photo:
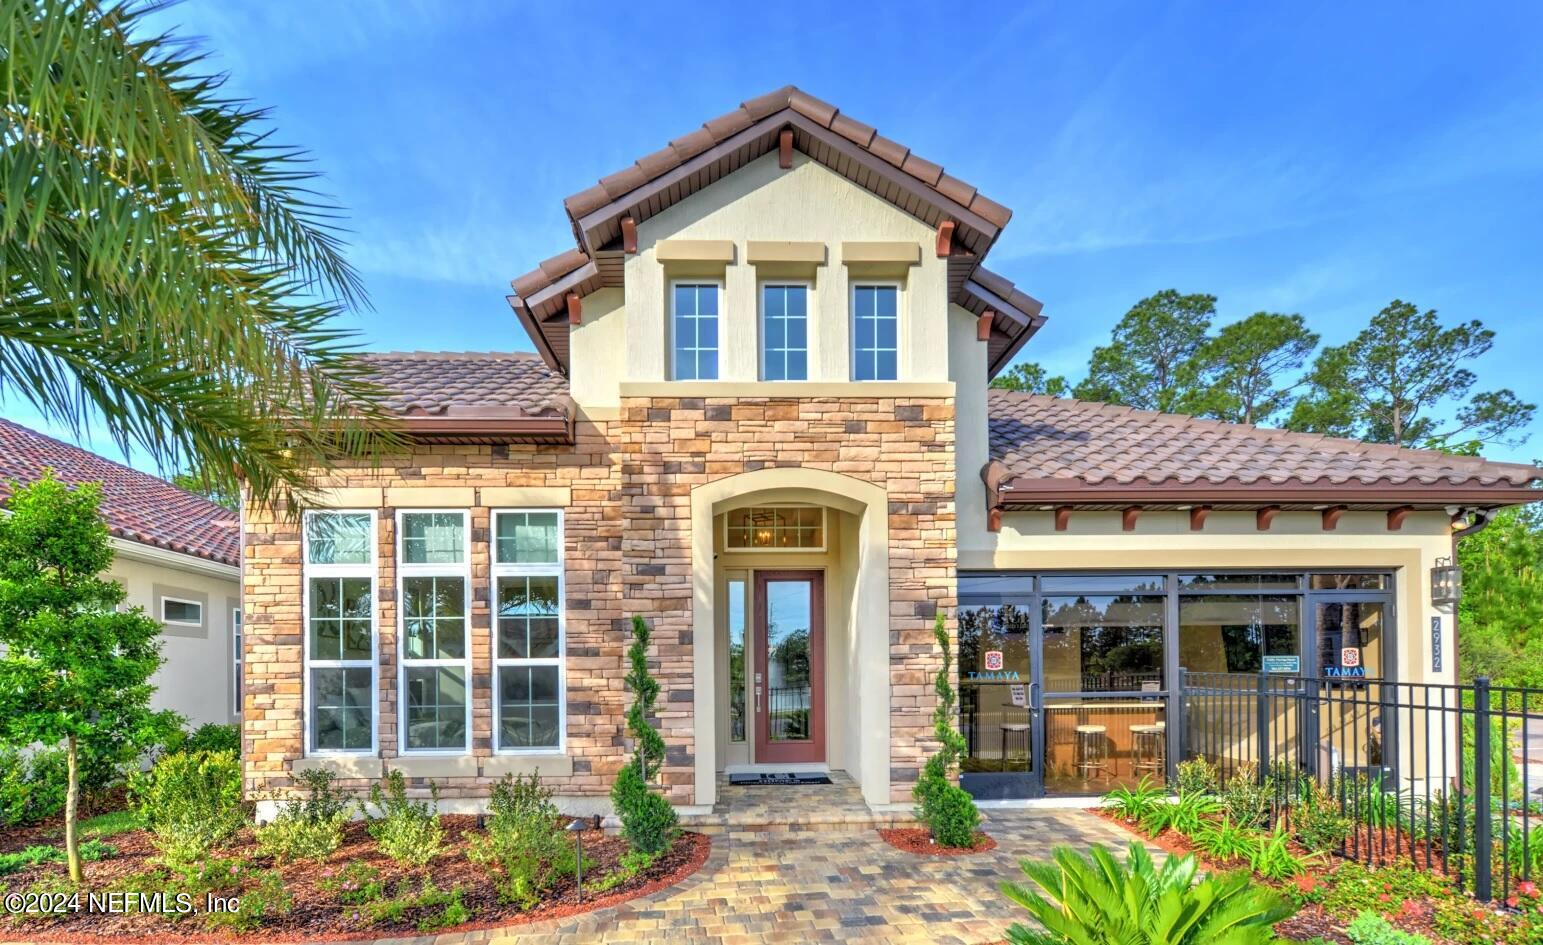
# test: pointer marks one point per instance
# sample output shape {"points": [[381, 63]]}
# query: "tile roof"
{"points": [[427, 383], [1079, 442], [137, 506]]}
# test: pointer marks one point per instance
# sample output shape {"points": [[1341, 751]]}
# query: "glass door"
{"points": [[1353, 731], [789, 684], [998, 699]]}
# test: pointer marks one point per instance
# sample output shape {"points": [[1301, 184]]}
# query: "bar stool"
{"points": [[1149, 751], [1092, 752], [1018, 733]]}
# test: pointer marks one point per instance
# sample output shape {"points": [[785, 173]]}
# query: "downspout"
{"points": [[1480, 521]]}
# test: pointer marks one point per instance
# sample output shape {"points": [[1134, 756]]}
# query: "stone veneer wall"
{"points": [[628, 550]]}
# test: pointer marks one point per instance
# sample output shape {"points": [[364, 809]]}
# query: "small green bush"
{"points": [[953, 818], [1245, 799], [1184, 815], [308, 828], [91, 851], [1372, 929], [1271, 856], [648, 822], [1135, 804], [1225, 842], [408, 831], [32, 785], [947, 810], [523, 845], [1316, 820], [212, 736], [191, 803], [259, 899], [356, 884], [1198, 776]]}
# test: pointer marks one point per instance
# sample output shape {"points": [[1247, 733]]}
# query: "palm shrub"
{"points": [[1136, 804], [647, 820], [523, 844], [1095, 900], [408, 831], [1185, 815], [191, 803], [309, 828], [946, 808]]}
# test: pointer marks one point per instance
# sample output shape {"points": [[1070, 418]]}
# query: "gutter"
{"points": [[149, 554]]}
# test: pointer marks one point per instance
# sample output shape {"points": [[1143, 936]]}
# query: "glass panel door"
{"points": [[1353, 733], [789, 681], [996, 702]]}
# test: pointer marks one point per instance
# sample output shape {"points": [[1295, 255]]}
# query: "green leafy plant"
{"points": [[523, 845], [74, 670], [1184, 815], [947, 809], [90, 852], [308, 828], [262, 896], [407, 831], [1271, 856], [190, 803], [111, 824], [1372, 929], [1198, 776], [648, 822], [356, 884], [631, 864], [424, 900], [1135, 804], [1316, 820], [1097, 901], [1245, 798], [1355, 887], [212, 736], [1225, 841], [31, 785]]}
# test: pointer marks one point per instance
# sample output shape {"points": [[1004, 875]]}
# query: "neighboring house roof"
{"points": [[848, 147], [474, 396], [1047, 450], [138, 507]]}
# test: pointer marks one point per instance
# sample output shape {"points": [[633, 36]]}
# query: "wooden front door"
{"points": [[789, 683]]}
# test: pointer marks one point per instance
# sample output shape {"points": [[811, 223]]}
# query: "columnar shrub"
{"points": [[191, 803], [647, 819], [947, 809], [523, 844]]}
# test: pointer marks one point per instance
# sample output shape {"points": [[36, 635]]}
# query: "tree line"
{"points": [[1405, 379]]}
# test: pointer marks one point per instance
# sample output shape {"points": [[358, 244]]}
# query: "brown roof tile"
{"points": [[810, 107], [853, 130], [892, 151], [137, 506], [956, 189], [547, 272], [1038, 437], [991, 210], [432, 382], [922, 169]]}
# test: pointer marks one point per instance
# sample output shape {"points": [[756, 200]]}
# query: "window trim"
{"points": [[368, 570], [760, 301], [181, 600], [498, 570], [823, 546], [717, 283], [238, 640], [899, 288], [403, 663]]}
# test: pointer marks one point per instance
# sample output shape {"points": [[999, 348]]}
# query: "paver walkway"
{"points": [[826, 886]]}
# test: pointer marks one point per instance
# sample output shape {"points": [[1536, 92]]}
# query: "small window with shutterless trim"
{"points": [[875, 331], [785, 331], [182, 613]]}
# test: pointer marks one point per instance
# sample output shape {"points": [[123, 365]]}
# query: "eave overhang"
{"points": [[1021, 494]]}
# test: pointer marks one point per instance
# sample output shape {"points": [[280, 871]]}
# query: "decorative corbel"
{"points": [[1063, 517], [945, 238], [1197, 517], [983, 326], [785, 148], [993, 520], [1129, 516], [1396, 517], [575, 309], [993, 474], [1265, 516], [1331, 517], [629, 235]]}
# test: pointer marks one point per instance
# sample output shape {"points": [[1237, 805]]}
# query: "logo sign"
{"points": [[993, 661], [1350, 656]]}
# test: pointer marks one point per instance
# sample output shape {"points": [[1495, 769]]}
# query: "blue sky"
{"points": [[1313, 158]]}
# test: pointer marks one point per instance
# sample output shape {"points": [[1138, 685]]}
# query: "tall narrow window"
{"points": [[875, 332], [694, 327], [235, 632], [528, 646], [339, 605], [785, 332], [738, 615], [434, 570]]}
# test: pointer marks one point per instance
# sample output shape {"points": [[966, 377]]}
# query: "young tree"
{"points": [[166, 267], [647, 819], [72, 668], [1150, 362], [1031, 378], [1391, 383], [1246, 363], [946, 808]]}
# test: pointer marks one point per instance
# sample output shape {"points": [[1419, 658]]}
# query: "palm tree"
{"points": [[165, 267]]}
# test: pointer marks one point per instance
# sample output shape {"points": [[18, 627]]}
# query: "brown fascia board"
{"points": [[541, 299], [1027, 315], [629, 201], [537, 338], [1024, 493]]}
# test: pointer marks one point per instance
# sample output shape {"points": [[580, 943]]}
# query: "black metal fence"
{"points": [[1437, 774]]}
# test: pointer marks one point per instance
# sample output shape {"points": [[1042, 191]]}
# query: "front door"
{"points": [[789, 683]]}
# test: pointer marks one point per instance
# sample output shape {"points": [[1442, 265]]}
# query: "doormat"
{"points": [[779, 777]]}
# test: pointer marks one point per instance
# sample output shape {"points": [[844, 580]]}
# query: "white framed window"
{"points": [[775, 528], [529, 645], [785, 331], [433, 599], [875, 331], [694, 308], [182, 613], [235, 640], [340, 653]]}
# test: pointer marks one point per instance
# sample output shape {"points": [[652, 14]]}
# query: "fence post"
{"points": [[1262, 719], [1178, 735], [1483, 844]]}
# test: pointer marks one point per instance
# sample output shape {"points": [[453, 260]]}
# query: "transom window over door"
{"points": [[528, 644], [785, 332], [434, 567], [694, 330], [875, 332], [340, 683]]}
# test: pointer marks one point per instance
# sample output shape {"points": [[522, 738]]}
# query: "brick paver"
{"points": [[814, 887]]}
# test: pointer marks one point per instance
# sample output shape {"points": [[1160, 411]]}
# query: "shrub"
{"points": [[1198, 776], [258, 900], [1097, 901], [1271, 856], [32, 785], [523, 844], [308, 828], [1135, 804], [1372, 929], [1225, 841], [214, 737], [1245, 799], [1316, 820], [947, 809], [408, 831], [648, 822], [190, 803], [1184, 815], [953, 818], [357, 884]]}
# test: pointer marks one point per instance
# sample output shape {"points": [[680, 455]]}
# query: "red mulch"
{"points": [[919, 841], [318, 916]]}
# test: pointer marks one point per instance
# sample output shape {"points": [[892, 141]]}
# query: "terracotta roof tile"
{"points": [[1039, 437], [730, 124], [690, 145], [763, 105], [547, 272], [956, 189], [991, 210], [892, 151], [659, 163], [922, 169], [432, 382], [853, 130], [137, 506], [822, 113]]}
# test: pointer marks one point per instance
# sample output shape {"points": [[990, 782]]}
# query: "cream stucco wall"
{"points": [[198, 677]]}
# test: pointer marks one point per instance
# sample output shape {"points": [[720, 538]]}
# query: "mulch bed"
{"points": [[919, 841], [317, 914]]}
